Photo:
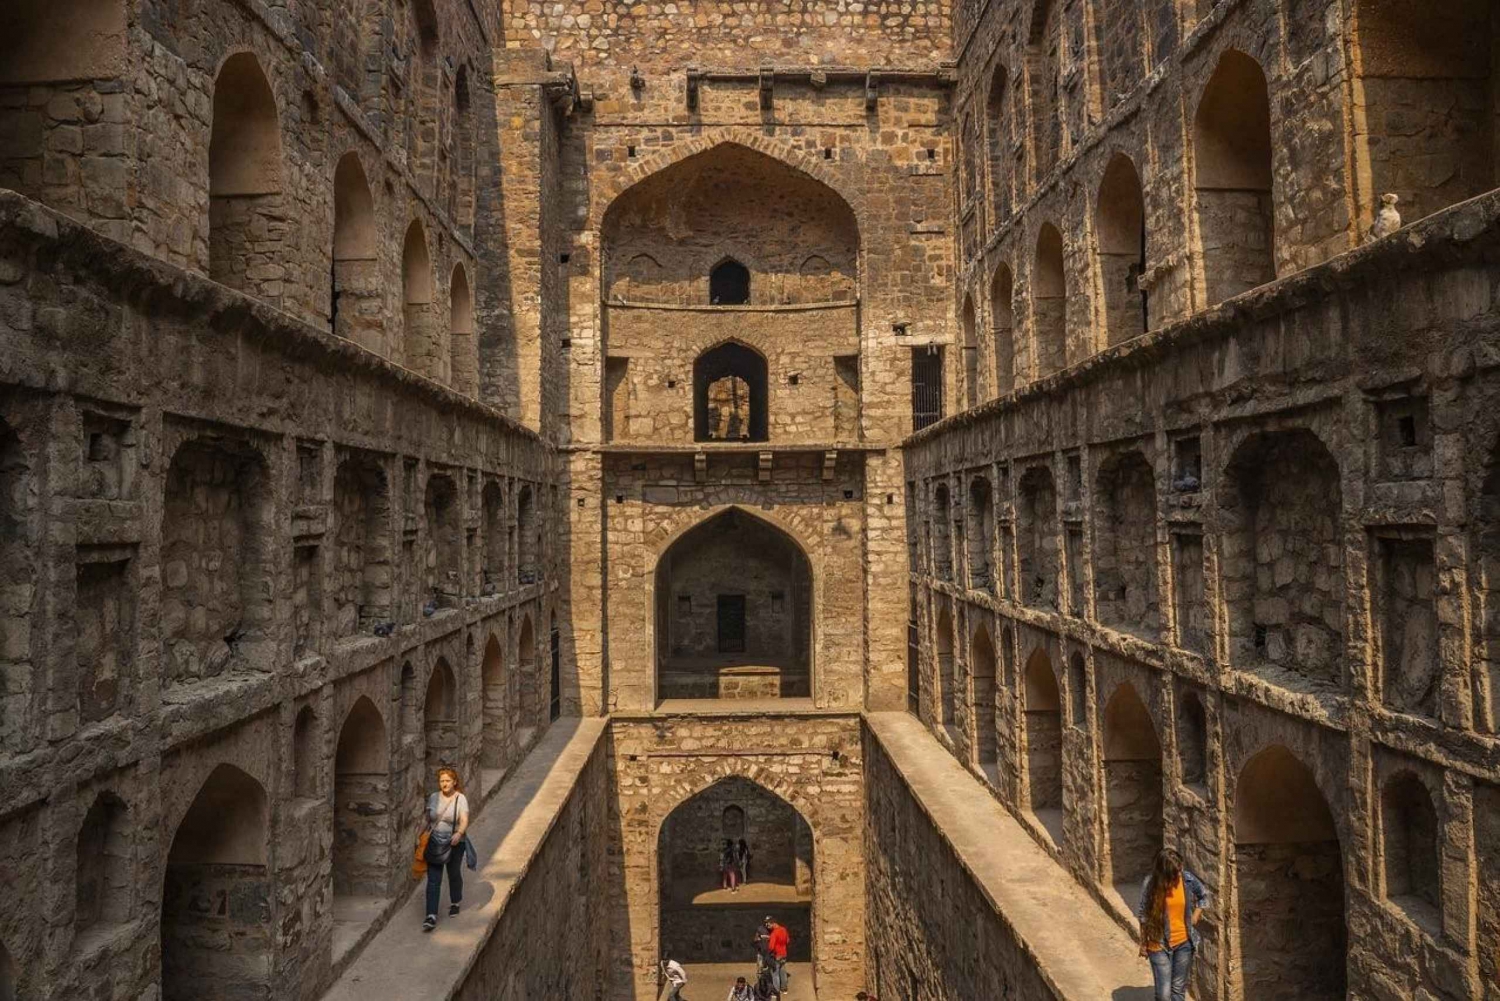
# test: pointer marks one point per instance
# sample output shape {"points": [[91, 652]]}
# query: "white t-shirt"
{"points": [[443, 815], [675, 973]]}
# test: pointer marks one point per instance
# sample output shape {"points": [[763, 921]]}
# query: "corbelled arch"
{"points": [[687, 786]]}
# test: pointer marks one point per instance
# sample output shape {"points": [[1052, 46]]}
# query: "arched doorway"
{"points": [[1289, 875], [245, 209], [1132, 787], [730, 394], [982, 669], [701, 923], [217, 890], [734, 612], [495, 713], [440, 720], [361, 805]]}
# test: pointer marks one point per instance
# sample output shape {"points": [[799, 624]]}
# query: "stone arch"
{"points": [[729, 283], [942, 533], [1133, 790], [1289, 878], [980, 534], [495, 728], [245, 210], [60, 41], [216, 488], [1003, 328], [733, 609], [942, 645], [423, 339], [440, 719], [982, 670], [105, 874], [705, 926], [731, 394], [461, 191], [1281, 518], [1121, 228], [1049, 303], [1037, 537], [1424, 94], [1043, 72], [355, 305], [1042, 705], [1411, 850], [968, 331], [463, 348], [1125, 588], [218, 884], [442, 508], [361, 591], [362, 804], [1232, 152], [305, 753], [1000, 131]]}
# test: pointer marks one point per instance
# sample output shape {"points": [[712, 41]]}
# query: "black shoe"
{"points": [[452, 910], [430, 922]]}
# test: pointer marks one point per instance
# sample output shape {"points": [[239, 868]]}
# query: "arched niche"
{"points": [[1133, 790], [982, 670], [356, 306], [1042, 705], [218, 886], [462, 346], [1121, 222], [362, 804], [440, 719], [1003, 329], [495, 713], [424, 345], [730, 394], [1232, 153], [246, 215], [942, 640], [1289, 877], [1049, 303], [734, 612]]}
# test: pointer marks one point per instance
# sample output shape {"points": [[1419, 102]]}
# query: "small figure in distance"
{"points": [[740, 991], [676, 979]]}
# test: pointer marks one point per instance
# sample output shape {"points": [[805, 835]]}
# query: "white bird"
{"points": [[1387, 220]]}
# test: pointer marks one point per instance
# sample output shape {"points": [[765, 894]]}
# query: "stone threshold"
{"points": [[403, 962], [1077, 947]]}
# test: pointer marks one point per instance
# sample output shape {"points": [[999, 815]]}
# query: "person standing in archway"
{"points": [[729, 872], [780, 941], [1172, 900], [742, 859]]}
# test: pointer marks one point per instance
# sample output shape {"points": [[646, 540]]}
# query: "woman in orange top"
{"points": [[1172, 899]]}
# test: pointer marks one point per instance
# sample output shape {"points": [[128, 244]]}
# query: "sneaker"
{"points": [[430, 922], [452, 910]]}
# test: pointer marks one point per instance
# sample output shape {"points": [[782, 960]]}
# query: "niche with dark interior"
{"points": [[1404, 438], [729, 284], [1404, 585], [1411, 850], [104, 630]]}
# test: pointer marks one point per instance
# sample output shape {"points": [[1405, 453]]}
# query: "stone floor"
{"points": [[712, 981]]}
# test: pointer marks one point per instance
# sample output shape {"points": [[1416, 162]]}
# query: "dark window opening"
{"points": [[729, 284], [731, 623], [926, 386], [729, 395], [554, 704]]}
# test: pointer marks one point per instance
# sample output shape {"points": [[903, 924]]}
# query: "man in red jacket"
{"points": [[779, 942]]}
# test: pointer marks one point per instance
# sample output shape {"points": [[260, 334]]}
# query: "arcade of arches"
{"points": [[960, 450]]}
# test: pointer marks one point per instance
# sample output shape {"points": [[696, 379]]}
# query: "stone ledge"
{"points": [[404, 962], [1026, 887]]}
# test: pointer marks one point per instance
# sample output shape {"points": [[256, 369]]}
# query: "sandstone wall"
{"points": [[176, 461], [1310, 643]]}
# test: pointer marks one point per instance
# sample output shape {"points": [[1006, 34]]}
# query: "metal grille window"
{"points": [[926, 386]]}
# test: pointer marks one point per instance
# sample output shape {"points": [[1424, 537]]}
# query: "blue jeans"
{"points": [[455, 867], [1170, 971]]}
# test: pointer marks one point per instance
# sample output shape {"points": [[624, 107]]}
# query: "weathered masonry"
{"points": [[960, 449]]}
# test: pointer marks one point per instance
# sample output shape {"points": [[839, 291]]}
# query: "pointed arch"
{"points": [[1133, 789], [1049, 303], [356, 306], [424, 348], [462, 345], [1042, 705], [1232, 151], [1121, 222], [731, 394], [1000, 129], [495, 713], [245, 211], [982, 670]]}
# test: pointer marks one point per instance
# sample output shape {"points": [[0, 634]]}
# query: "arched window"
{"points": [[1043, 72], [1049, 303], [1232, 149], [355, 307], [729, 284], [1122, 250], [1003, 323], [245, 212], [732, 823], [730, 389], [1001, 136]]}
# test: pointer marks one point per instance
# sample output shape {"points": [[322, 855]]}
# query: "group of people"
{"points": [[771, 942], [734, 865]]}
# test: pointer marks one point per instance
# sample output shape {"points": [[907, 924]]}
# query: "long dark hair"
{"points": [[1165, 873]]}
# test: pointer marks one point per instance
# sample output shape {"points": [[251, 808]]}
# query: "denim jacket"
{"points": [[1194, 897]]}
